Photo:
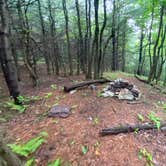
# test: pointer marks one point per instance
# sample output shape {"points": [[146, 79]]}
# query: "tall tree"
{"points": [[96, 40], [6, 58], [81, 49], [67, 36], [44, 43]]}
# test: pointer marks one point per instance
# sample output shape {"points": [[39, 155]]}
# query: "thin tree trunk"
{"points": [[81, 50], [140, 52], [44, 44], [101, 39], [67, 36], [96, 40], [155, 57]]}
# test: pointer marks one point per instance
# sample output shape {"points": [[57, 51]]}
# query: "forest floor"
{"points": [[90, 114]]}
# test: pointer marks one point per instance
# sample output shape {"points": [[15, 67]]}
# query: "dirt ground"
{"points": [[81, 128]]}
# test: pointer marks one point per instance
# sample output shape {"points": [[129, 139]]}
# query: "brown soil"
{"points": [[67, 136]]}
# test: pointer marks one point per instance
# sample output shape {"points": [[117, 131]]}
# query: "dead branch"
{"points": [[83, 84], [129, 128]]}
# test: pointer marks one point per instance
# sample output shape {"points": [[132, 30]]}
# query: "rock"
{"points": [[107, 94], [163, 129], [93, 87], [125, 94], [120, 83], [59, 111], [73, 91]]}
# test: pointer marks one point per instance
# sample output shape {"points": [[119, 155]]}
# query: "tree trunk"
{"points": [[54, 43], [81, 50], [140, 52], [101, 39], [153, 69], [44, 44], [96, 40], [6, 59], [67, 36]]}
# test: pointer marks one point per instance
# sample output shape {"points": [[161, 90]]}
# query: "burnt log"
{"points": [[129, 128], [85, 83]]}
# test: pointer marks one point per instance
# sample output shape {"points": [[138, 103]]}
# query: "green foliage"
{"points": [[96, 121], [30, 162], [54, 86], [29, 147], [147, 155], [48, 95], [57, 162], [140, 117], [84, 149], [11, 105], [156, 120]]}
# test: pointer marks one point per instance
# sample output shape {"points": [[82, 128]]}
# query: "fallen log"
{"points": [[85, 83], [130, 128], [142, 80], [153, 85]]}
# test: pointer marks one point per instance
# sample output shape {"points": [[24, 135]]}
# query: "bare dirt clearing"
{"points": [[89, 115]]}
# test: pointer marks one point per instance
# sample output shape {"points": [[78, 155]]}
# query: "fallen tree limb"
{"points": [[85, 83], [153, 85], [129, 128], [142, 80]]}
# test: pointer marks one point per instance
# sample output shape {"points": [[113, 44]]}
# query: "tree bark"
{"points": [[83, 84], [44, 44], [67, 36], [6, 59], [128, 128], [95, 46], [140, 52]]}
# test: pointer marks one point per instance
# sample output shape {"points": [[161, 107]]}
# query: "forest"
{"points": [[82, 82]]}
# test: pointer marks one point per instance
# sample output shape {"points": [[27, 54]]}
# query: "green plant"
{"points": [[72, 142], [140, 117], [29, 147], [57, 162], [54, 86], [147, 155], [96, 121], [30, 162], [156, 120], [48, 95], [84, 149], [13, 106], [3, 120]]}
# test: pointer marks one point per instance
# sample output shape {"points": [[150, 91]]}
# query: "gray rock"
{"points": [[59, 111], [125, 94], [163, 129], [107, 94]]}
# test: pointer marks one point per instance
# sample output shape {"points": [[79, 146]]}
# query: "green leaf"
{"points": [[156, 120], [84, 149], [57, 162], [29, 147], [30, 162], [13, 106], [54, 86], [140, 117], [48, 95]]}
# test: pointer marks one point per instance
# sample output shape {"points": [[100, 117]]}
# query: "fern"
{"points": [[29, 147], [55, 163], [30, 162], [155, 119], [13, 106]]}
